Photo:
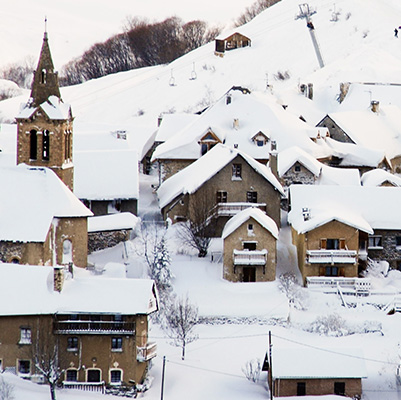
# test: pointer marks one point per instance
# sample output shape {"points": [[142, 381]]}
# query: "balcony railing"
{"points": [[230, 209], [359, 285], [331, 256], [86, 386], [146, 353], [94, 327], [250, 257]]}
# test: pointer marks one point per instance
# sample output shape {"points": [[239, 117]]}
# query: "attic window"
{"points": [[207, 142], [297, 168], [237, 172], [260, 139]]}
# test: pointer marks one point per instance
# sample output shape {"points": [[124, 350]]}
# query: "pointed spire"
{"points": [[45, 80]]}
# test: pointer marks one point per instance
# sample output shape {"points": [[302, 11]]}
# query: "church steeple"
{"points": [[45, 81]]}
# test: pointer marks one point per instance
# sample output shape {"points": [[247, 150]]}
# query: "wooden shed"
{"points": [[234, 41]]}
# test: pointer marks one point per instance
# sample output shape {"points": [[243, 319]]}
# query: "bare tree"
{"points": [[181, 319], [6, 390], [255, 9], [198, 230], [46, 359], [252, 370]]}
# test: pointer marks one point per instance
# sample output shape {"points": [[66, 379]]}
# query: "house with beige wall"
{"points": [[43, 222], [223, 182], [99, 339], [250, 247]]}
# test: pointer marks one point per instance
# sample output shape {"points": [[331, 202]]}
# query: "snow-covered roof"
{"points": [[258, 215], [31, 199], [355, 155], [189, 179], [339, 176], [54, 108], [253, 112], [173, 123], [288, 157], [375, 130], [112, 222], [377, 177], [363, 207], [28, 290], [289, 363], [106, 174]]}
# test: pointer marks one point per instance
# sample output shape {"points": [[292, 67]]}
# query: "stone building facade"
{"points": [[385, 245]]}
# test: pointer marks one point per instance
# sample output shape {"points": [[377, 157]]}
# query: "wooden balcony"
{"points": [[331, 256], [230, 209], [250, 257], [146, 353], [94, 327]]}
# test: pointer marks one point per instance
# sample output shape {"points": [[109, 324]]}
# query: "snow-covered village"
{"points": [[200, 201]]}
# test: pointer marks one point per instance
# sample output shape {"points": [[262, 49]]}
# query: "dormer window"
{"points": [[260, 139], [208, 141]]}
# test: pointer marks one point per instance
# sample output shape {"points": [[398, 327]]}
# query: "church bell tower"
{"points": [[45, 123]]}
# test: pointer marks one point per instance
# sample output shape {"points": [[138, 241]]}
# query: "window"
{"points": [[398, 241], [339, 388], [71, 375], [333, 244], [33, 143], [249, 245], [375, 242], [25, 336], [252, 197], [260, 143], [301, 388], [237, 172], [331, 271], [116, 343], [250, 227], [297, 168], [221, 196], [72, 343], [24, 367], [67, 145], [93, 375], [46, 145], [67, 252], [115, 376]]}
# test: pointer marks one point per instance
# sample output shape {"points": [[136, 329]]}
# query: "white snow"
{"points": [[111, 222]]}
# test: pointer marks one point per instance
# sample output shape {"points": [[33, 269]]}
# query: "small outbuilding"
{"points": [[233, 41], [316, 372]]}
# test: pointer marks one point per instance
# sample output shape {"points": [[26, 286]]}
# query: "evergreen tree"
{"points": [[160, 268]]}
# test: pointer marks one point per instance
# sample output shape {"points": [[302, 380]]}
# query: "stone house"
{"points": [[361, 222], [43, 223], [222, 182], [316, 372], [233, 41], [250, 247], [99, 339]]}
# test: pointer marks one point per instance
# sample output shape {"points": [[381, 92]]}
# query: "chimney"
{"points": [[228, 99], [236, 123], [58, 276], [344, 88], [306, 213], [273, 158], [159, 120], [374, 106]]}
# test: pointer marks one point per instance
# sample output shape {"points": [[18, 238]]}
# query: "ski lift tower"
{"points": [[306, 13]]}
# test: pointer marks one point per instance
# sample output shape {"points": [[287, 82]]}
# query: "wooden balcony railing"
{"points": [[331, 256], [94, 327], [147, 352], [250, 257]]}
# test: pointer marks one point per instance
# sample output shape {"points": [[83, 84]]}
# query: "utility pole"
{"points": [[270, 366], [163, 369]]}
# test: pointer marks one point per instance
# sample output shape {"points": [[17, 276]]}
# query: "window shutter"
{"points": [[323, 243], [342, 271], [342, 244], [322, 271]]}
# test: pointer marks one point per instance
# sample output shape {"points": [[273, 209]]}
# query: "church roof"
{"points": [[53, 107]]}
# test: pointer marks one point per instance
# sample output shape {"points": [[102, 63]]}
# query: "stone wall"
{"points": [[336, 132], [390, 251], [170, 167], [103, 240], [302, 176]]}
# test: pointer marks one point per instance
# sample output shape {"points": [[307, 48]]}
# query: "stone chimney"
{"points": [[58, 276], [228, 99], [310, 91], [374, 106], [159, 120], [236, 123], [344, 88], [273, 158]]}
